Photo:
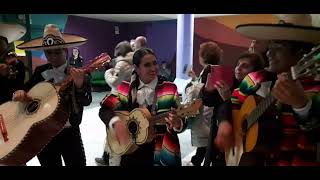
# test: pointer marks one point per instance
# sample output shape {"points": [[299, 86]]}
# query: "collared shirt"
{"points": [[59, 73], [146, 93]]}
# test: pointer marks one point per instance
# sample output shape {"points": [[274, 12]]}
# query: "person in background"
{"points": [[164, 70], [132, 42], [12, 71], [76, 60], [122, 71], [140, 42]]}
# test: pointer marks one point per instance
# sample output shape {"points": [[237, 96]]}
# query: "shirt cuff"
{"points": [[181, 127], [113, 120], [304, 111]]}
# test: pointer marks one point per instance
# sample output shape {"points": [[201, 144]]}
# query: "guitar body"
{"points": [[30, 126], [241, 145], [139, 127]]}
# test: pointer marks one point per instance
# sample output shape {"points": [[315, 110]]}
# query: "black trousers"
{"points": [[199, 156], [143, 156], [68, 144]]}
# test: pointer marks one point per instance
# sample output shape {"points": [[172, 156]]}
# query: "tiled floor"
{"points": [[93, 134]]}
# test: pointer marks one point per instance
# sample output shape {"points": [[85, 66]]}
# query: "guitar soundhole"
{"points": [[133, 127], [33, 106]]}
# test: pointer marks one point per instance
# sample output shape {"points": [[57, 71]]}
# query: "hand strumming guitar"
{"points": [[121, 131], [224, 138]]}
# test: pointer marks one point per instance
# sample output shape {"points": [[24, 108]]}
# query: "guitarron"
{"points": [[27, 127]]}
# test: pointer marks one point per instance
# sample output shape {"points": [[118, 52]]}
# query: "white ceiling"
{"points": [[140, 17]]}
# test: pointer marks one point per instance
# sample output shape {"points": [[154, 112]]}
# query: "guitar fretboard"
{"points": [[259, 110]]}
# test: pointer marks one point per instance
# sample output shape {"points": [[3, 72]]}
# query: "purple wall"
{"points": [[100, 34], [161, 35]]}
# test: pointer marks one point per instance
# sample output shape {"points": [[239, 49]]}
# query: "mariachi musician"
{"points": [[68, 142]]}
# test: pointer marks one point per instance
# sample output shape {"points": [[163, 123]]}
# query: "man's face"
{"points": [[56, 57], [281, 57]]}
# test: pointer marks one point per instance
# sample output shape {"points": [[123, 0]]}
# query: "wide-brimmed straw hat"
{"points": [[291, 27], [12, 32], [53, 39]]}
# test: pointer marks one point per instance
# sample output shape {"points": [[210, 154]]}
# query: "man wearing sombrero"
{"points": [[289, 131], [68, 142], [12, 71]]}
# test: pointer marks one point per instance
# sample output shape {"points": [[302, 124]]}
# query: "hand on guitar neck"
{"points": [[173, 121], [77, 76], [289, 92]]}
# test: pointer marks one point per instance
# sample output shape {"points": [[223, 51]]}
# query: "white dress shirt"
{"points": [[58, 75], [146, 93]]}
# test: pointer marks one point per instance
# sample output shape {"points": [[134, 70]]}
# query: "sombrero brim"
{"points": [[280, 32], [12, 32], [70, 41]]}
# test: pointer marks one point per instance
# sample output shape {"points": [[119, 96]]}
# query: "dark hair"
{"points": [[210, 52], [255, 59], [5, 39], [76, 49], [122, 49], [139, 54], [7, 49]]}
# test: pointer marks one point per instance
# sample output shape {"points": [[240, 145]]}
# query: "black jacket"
{"points": [[10, 85], [77, 97]]}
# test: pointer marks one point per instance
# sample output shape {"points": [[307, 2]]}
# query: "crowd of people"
{"points": [[288, 129]]}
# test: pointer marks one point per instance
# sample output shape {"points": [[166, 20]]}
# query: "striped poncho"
{"points": [[297, 136], [167, 148]]}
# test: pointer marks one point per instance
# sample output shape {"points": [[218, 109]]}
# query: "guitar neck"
{"points": [[93, 65], [259, 110], [68, 79], [264, 105], [181, 113]]}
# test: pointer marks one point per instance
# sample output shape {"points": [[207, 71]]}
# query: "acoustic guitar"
{"points": [[245, 120], [141, 126], [27, 127]]}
